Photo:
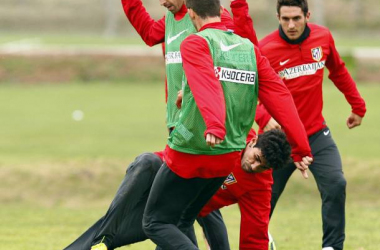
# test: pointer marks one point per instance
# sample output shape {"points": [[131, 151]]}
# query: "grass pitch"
{"points": [[59, 175]]}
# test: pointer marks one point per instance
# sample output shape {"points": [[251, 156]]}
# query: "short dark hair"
{"points": [[275, 148], [298, 3], [204, 8]]}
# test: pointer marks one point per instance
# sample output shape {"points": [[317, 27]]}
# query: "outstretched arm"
{"points": [[243, 21], [152, 32]]}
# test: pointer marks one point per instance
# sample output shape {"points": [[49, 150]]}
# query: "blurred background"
{"points": [[42, 28], [81, 96], [105, 17]]}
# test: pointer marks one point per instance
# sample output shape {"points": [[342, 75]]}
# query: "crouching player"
{"points": [[123, 219], [246, 187]]}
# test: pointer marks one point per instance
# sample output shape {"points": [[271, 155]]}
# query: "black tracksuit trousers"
{"points": [[173, 205], [122, 224], [327, 171]]}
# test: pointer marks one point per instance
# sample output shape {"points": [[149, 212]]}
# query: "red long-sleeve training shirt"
{"points": [[151, 31], [199, 70], [244, 28], [243, 21], [301, 67]]}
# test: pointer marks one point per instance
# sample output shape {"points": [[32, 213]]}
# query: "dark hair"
{"points": [[298, 3], [204, 8], [275, 148]]}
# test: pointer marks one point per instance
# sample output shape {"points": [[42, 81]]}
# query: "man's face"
{"points": [[172, 5], [293, 21], [253, 160]]}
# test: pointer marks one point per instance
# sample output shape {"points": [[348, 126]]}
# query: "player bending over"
{"points": [[268, 150]]}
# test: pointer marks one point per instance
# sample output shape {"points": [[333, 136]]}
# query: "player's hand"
{"points": [[354, 120], [178, 102], [303, 165], [212, 140], [272, 124]]}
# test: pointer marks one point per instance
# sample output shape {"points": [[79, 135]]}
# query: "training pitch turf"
{"points": [[59, 174]]}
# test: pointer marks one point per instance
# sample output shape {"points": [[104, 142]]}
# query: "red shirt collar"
{"points": [[217, 25], [181, 13]]}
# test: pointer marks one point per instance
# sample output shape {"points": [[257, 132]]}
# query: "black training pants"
{"points": [[173, 205], [215, 230], [327, 171], [122, 224]]}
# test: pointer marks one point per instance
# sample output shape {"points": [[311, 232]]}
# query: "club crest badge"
{"points": [[317, 54], [230, 179]]}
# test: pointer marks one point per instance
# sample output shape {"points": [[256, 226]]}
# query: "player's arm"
{"points": [[205, 87], [226, 19], [152, 32], [244, 28], [271, 124], [265, 121], [278, 101], [242, 20], [344, 82], [263, 118]]}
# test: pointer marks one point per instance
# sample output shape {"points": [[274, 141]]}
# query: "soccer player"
{"points": [[299, 51], [268, 150], [245, 187], [172, 30], [154, 32], [217, 113]]}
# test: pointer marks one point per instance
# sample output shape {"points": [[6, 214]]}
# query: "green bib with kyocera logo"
{"points": [[175, 33], [235, 66]]}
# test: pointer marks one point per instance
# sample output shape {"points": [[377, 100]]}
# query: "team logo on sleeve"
{"points": [[230, 179], [317, 53], [235, 75]]}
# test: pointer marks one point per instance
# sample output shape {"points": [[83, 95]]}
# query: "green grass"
{"points": [[37, 121], [51, 166], [361, 142], [36, 227]]}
